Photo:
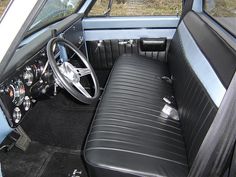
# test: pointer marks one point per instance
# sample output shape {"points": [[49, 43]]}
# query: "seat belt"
{"points": [[218, 143]]}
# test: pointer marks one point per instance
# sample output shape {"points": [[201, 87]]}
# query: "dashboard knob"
{"points": [[27, 103], [17, 115]]}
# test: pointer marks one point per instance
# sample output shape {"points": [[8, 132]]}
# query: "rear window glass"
{"points": [[224, 12], [136, 8]]}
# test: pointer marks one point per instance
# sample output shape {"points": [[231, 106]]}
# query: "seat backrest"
{"points": [[202, 66]]}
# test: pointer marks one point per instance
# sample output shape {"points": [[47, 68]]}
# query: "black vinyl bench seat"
{"points": [[130, 135]]}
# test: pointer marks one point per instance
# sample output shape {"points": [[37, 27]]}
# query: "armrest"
{"points": [[153, 44]]}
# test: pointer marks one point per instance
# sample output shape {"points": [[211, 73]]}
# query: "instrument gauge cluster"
{"points": [[16, 96], [16, 93]]}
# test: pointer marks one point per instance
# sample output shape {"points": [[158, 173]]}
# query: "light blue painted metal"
{"points": [[93, 35], [5, 129], [197, 5], [201, 66], [85, 6], [63, 53], [32, 37], [0, 170], [131, 22]]}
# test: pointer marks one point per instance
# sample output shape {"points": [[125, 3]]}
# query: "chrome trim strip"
{"points": [[85, 6], [131, 22], [94, 35], [201, 66], [197, 6]]}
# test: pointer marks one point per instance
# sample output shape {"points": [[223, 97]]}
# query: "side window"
{"points": [[223, 11], [3, 5], [136, 8]]}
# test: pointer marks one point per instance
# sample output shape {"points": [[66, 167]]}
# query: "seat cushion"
{"points": [[129, 135]]}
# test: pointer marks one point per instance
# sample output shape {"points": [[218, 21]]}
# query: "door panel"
{"points": [[103, 54]]}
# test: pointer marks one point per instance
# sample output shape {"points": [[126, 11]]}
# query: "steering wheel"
{"points": [[69, 76]]}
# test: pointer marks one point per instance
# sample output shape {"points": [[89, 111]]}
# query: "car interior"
{"points": [[108, 95]]}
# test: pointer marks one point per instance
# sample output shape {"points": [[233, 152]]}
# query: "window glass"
{"points": [[136, 7], [53, 11], [3, 5], [223, 11]]}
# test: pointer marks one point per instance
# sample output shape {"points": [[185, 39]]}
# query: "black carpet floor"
{"points": [[57, 128], [61, 122], [64, 164], [42, 161]]}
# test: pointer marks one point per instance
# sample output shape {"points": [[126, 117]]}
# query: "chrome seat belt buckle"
{"points": [[167, 100], [170, 101], [76, 173], [171, 112]]}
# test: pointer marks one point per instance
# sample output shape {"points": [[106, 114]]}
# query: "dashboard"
{"points": [[20, 91], [27, 78]]}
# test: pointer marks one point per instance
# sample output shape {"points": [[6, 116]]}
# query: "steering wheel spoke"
{"points": [[81, 89], [69, 76], [83, 71]]}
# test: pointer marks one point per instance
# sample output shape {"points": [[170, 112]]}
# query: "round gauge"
{"points": [[27, 103], [17, 115], [28, 76], [17, 92]]}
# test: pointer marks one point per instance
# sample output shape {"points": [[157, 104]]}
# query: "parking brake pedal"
{"points": [[23, 141]]}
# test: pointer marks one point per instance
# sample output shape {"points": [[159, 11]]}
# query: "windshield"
{"points": [[53, 11]]}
